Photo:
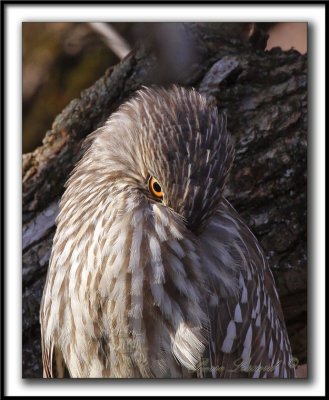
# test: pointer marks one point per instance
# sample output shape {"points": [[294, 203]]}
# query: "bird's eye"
{"points": [[155, 188]]}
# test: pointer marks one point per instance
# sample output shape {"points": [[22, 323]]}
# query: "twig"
{"points": [[112, 39]]}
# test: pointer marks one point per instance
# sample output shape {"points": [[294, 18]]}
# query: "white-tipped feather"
{"points": [[229, 338]]}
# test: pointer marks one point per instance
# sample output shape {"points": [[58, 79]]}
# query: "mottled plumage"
{"points": [[138, 287]]}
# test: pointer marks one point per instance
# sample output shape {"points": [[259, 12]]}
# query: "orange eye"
{"points": [[155, 188]]}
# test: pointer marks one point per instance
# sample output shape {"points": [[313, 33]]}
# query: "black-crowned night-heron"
{"points": [[152, 272]]}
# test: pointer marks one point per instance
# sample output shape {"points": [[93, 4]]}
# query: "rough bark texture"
{"points": [[265, 97]]}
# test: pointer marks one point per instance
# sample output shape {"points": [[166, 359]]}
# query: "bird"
{"points": [[152, 272]]}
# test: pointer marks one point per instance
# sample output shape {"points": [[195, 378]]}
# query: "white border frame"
{"points": [[14, 16]]}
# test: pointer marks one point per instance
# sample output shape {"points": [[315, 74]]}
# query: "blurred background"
{"points": [[59, 60]]}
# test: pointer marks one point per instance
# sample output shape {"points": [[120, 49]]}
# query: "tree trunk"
{"points": [[264, 95]]}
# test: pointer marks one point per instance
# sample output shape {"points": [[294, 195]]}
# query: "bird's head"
{"points": [[169, 147]]}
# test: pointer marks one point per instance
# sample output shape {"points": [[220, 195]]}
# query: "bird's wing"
{"points": [[52, 358], [248, 337], [53, 362], [47, 358]]}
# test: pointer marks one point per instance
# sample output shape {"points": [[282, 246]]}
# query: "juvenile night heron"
{"points": [[152, 272]]}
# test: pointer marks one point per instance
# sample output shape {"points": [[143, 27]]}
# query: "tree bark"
{"points": [[264, 94]]}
